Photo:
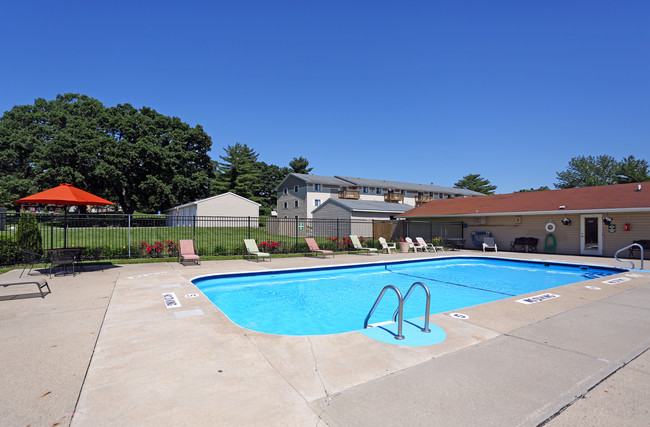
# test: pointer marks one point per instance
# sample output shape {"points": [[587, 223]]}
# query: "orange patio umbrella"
{"points": [[65, 195]]}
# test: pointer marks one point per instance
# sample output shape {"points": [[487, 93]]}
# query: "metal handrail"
{"points": [[631, 262], [400, 309], [428, 305]]}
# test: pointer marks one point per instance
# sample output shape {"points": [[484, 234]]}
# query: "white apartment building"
{"points": [[300, 194]]}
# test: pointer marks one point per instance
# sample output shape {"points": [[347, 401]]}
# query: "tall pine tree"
{"points": [[238, 171]]}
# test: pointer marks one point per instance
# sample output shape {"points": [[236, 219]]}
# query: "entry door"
{"points": [[591, 234]]}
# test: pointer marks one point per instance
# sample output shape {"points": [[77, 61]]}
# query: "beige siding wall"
{"points": [[332, 211], [227, 205], [506, 228]]}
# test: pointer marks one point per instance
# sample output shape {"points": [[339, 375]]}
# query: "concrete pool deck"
{"points": [[104, 347]]}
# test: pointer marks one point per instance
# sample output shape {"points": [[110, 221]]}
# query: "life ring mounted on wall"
{"points": [[550, 227]]}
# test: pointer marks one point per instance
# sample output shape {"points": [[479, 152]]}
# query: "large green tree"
{"points": [[238, 171], [269, 178], [300, 165], [475, 182], [632, 170], [139, 158], [588, 171]]}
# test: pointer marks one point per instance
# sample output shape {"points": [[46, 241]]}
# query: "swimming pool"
{"points": [[330, 300]]}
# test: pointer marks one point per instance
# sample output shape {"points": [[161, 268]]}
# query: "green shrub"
{"points": [[28, 236], [9, 251]]}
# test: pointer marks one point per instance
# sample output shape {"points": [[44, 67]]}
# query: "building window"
{"points": [[286, 205], [295, 188], [316, 202], [378, 191], [403, 192], [316, 187], [285, 191], [295, 203], [366, 190]]}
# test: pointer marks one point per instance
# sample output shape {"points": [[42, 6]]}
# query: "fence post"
{"points": [[249, 227], [296, 234], [52, 230], [337, 229], [193, 227], [129, 228]]}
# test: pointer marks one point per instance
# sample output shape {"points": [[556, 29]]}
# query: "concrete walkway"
{"points": [[103, 349]]}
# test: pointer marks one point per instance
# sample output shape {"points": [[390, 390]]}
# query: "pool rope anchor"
{"points": [[399, 312]]}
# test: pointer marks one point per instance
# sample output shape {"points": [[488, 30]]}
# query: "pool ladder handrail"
{"points": [[426, 310], [400, 310], [631, 262], [399, 313]]}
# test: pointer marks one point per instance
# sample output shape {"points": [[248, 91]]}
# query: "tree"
{"points": [[632, 170], [542, 188], [588, 171], [299, 165], [269, 178], [142, 159], [474, 182], [238, 173]]}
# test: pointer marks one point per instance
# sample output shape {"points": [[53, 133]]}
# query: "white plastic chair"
{"points": [[489, 243], [387, 246]]}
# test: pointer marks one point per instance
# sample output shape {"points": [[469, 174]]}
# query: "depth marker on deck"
{"points": [[170, 299], [537, 298]]}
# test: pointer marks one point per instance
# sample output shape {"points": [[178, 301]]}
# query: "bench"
{"points": [[524, 244], [644, 243], [38, 281]]}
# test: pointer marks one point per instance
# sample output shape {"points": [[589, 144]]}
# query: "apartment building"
{"points": [[300, 194]]}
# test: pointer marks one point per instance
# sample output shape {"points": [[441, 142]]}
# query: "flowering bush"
{"points": [[158, 249], [344, 243], [271, 247]]}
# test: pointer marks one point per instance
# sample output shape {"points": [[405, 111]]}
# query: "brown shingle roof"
{"points": [[607, 197]]}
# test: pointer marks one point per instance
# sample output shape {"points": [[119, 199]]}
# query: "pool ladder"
{"points": [[631, 262], [399, 312]]}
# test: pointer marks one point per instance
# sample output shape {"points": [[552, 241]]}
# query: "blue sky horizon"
{"points": [[414, 91]]}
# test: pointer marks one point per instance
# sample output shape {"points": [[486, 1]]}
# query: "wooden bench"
{"points": [[524, 244], [41, 282]]}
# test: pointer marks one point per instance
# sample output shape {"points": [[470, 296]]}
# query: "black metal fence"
{"points": [[137, 236]]}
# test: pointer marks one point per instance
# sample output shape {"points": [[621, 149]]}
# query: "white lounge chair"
{"points": [[425, 245], [414, 245], [387, 246], [489, 243]]}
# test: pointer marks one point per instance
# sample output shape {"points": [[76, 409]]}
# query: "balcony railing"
{"points": [[420, 199], [349, 194], [393, 197]]}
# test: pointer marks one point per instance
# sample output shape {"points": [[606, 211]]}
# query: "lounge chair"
{"points": [[62, 257], [413, 244], [313, 247], [253, 251], [425, 245], [387, 246], [186, 252], [489, 243], [9, 279], [356, 243]]}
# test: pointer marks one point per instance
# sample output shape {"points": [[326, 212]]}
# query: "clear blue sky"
{"points": [[416, 91]]}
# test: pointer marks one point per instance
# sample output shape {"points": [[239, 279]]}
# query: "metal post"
{"points": [[249, 227], [129, 228], [194, 228]]}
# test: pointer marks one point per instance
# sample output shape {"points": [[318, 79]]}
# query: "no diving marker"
{"points": [[617, 280], [459, 316], [595, 288], [170, 299], [191, 295], [537, 298]]}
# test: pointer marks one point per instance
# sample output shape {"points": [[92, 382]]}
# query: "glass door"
{"points": [[591, 234]]}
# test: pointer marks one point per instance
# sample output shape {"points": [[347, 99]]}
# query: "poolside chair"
{"points": [[425, 245], [412, 244], [30, 258], [356, 243], [489, 243], [186, 252], [253, 251], [313, 247], [387, 246]]}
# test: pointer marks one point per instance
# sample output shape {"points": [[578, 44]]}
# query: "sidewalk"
{"points": [[105, 344]]}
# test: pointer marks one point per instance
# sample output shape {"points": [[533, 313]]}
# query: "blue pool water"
{"points": [[332, 300]]}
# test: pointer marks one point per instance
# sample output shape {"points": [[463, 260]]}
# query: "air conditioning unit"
{"points": [[481, 220]]}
